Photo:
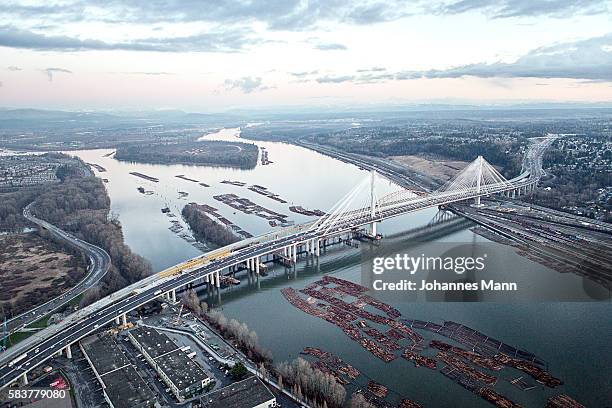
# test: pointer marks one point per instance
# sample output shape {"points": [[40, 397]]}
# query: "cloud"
{"points": [[276, 14], [328, 79], [373, 69], [246, 84], [291, 15], [162, 73], [330, 47], [377, 12], [523, 8], [230, 25], [372, 77], [220, 41], [303, 73], [50, 72], [14, 68], [586, 59], [365, 77]]}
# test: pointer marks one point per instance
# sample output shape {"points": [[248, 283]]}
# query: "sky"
{"points": [[215, 55]]}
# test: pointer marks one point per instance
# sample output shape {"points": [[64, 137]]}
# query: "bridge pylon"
{"points": [[477, 176], [373, 201], [480, 159]]}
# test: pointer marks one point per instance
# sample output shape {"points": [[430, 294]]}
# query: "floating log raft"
{"points": [[377, 389], [144, 176]]}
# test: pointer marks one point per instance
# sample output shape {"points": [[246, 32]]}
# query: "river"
{"points": [[573, 337]]}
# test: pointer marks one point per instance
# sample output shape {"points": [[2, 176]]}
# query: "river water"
{"points": [[573, 337]]}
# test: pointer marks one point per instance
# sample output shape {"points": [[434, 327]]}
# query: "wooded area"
{"points": [[205, 153], [205, 229], [81, 206]]}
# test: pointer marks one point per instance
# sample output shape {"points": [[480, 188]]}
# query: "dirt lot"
{"points": [[33, 270], [434, 167]]}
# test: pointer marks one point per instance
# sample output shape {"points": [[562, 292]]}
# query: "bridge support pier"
{"points": [[68, 351], [318, 250], [117, 321], [173, 296], [59, 353], [294, 253], [124, 318], [257, 266], [373, 229], [217, 280], [24, 379]]}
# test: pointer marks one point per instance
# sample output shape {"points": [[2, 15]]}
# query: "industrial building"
{"points": [[121, 384], [182, 375], [248, 393]]}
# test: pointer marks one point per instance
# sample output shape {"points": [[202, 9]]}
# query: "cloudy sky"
{"points": [[211, 55]]}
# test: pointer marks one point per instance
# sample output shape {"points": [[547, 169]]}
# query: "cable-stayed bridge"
{"points": [[358, 212]]}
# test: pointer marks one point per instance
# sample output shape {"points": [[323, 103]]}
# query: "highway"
{"points": [[388, 169], [99, 263], [40, 347]]}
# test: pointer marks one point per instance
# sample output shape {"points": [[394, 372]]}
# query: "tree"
{"points": [[238, 371], [191, 300], [359, 401]]}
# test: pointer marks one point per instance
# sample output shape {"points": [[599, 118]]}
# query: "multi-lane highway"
{"points": [[37, 349], [386, 168], [99, 262]]}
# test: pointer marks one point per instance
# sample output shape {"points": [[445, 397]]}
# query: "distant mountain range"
{"points": [[16, 118]]}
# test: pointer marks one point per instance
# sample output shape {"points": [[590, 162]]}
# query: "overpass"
{"points": [[477, 180]]}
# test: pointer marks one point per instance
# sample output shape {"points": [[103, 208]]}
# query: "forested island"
{"points": [[205, 153], [206, 229]]}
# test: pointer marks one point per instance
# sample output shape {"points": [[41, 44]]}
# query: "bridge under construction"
{"points": [[359, 211]]}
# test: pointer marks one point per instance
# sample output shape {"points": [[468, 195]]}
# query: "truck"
{"points": [[17, 360]]}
